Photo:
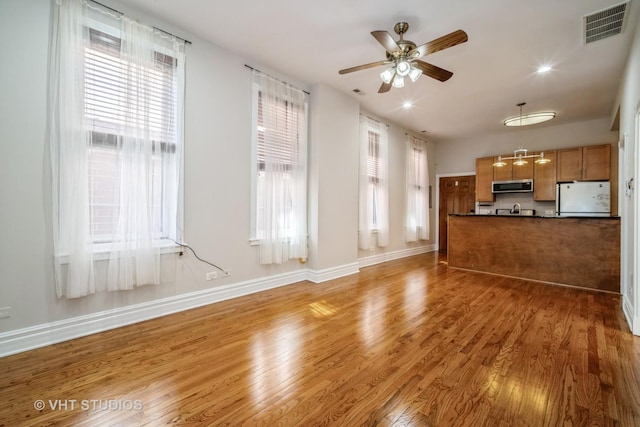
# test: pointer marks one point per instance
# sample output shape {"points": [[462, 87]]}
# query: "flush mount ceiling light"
{"points": [[529, 119], [520, 155]]}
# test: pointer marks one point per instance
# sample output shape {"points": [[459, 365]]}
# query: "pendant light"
{"points": [[520, 155]]}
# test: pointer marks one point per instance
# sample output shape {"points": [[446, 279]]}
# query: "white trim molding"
{"points": [[319, 276], [390, 256]]}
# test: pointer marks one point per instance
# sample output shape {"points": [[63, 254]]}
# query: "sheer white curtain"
{"points": [[281, 167], [68, 149], [116, 108], [417, 179], [374, 185]]}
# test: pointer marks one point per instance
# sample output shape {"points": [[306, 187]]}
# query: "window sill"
{"points": [[102, 251]]}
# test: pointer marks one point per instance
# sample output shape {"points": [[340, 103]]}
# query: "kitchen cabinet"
{"points": [[544, 178], [590, 163], [511, 171], [484, 177]]}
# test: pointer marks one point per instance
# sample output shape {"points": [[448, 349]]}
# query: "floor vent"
{"points": [[605, 23]]}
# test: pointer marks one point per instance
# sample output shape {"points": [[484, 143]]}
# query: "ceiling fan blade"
{"points": [[433, 71], [363, 67], [441, 43], [384, 87], [385, 39]]}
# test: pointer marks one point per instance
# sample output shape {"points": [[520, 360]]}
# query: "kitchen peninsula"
{"points": [[575, 251]]}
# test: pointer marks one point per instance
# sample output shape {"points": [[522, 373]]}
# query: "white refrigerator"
{"points": [[583, 198]]}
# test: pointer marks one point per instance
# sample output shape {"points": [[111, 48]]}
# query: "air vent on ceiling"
{"points": [[605, 23]]}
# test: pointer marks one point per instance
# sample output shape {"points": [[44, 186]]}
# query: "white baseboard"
{"points": [[20, 340], [390, 256], [25, 339], [628, 314], [319, 276]]}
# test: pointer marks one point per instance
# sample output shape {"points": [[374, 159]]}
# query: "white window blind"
{"points": [[373, 172], [112, 110]]}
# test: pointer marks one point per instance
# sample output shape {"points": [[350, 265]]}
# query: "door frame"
{"points": [[437, 201]]}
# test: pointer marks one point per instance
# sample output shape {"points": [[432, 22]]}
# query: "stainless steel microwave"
{"points": [[513, 186]]}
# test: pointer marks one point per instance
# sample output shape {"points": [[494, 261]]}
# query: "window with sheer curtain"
{"points": [[417, 180], [116, 100], [374, 186], [280, 170]]}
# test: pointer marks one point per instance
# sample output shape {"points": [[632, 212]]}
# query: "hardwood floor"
{"points": [[406, 343]]}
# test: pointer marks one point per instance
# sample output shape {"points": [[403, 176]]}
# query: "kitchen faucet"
{"points": [[516, 209]]}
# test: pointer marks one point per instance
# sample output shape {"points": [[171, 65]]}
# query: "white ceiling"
{"points": [[493, 71]]}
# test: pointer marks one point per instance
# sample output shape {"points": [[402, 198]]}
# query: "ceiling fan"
{"points": [[403, 57]]}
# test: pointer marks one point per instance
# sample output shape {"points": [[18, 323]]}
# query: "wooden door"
{"points": [[457, 195]]}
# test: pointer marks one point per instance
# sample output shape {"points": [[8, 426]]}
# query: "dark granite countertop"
{"points": [[536, 216]]}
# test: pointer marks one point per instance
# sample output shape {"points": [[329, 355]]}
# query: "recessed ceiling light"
{"points": [[544, 68], [407, 104]]}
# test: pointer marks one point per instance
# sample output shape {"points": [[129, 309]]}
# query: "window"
{"points": [[280, 170], [113, 101], [417, 202], [374, 205], [116, 99], [373, 174]]}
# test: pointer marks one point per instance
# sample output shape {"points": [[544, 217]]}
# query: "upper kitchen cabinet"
{"points": [[590, 163], [484, 177], [544, 178], [511, 171]]}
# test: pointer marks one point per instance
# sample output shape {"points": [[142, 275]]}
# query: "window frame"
{"points": [[167, 234], [257, 104]]}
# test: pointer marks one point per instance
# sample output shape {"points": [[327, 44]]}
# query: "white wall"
{"points": [[459, 156], [217, 189], [333, 165], [629, 164]]}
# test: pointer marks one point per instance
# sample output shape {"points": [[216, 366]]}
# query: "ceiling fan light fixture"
{"points": [[387, 75], [415, 73], [403, 68], [398, 82]]}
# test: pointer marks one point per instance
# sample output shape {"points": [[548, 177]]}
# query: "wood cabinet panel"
{"points": [[569, 167], [582, 252], [544, 178], [596, 162], [524, 171], [590, 163], [484, 177], [503, 173]]}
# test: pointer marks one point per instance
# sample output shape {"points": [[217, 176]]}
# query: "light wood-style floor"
{"points": [[406, 343]]}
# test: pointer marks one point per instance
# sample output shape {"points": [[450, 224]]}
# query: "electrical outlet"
{"points": [[211, 275], [5, 312], [549, 212]]}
